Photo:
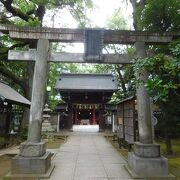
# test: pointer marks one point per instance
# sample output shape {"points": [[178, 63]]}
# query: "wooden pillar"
{"points": [[8, 120], [112, 116], [94, 115], [143, 101], [38, 91], [58, 121], [76, 116], [70, 116]]}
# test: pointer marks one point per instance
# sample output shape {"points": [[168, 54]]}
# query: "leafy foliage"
{"points": [[162, 15], [164, 76]]}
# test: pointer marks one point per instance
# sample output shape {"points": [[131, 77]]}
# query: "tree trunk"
{"points": [[122, 80], [8, 121], [169, 149]]}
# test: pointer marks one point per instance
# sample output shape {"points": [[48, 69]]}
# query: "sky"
{"points": [[103, 9]]}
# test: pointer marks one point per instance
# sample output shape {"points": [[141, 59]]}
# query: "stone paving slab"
{"points": [[88, 156]]}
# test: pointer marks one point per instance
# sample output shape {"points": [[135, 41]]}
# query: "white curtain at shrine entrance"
{"points": [[86, 128]]}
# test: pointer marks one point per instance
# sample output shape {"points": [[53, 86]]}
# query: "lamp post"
{"points": [[46, 125], [48, 89]]}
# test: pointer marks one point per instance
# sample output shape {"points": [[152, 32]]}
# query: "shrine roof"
{"points": [[86, 82], [10, 95]]}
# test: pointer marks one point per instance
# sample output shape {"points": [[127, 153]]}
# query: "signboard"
{"points": [[120, 121], [93, 44], [120, 126]]}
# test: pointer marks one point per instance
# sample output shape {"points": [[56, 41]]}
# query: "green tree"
{"points": [[124, 73], [28, 13], [160, 15]]}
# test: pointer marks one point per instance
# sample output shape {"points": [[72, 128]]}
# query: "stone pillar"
{"points": [[38, 91], [33, 158], [143, 101], [146, 160]]}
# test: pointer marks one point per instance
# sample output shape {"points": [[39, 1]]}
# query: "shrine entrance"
{"points": [[85, 114], [86, 96], [145, 160]]}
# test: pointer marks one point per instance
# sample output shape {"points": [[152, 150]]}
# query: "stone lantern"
{"points": [[46, 125]]}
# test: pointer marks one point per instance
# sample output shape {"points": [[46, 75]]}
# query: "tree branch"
{"points": [[14, 11], [40, 12], [120, 76], [134, 6], [14, 46], [6, 72]]}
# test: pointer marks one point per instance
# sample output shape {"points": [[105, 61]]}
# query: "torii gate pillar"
{"points": [[146, 160], [33, 158]]}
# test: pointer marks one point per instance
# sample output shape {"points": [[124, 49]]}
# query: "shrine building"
{"points": [[85, 96]]}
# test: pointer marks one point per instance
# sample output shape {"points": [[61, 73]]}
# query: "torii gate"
{"points": [[33, 158]]}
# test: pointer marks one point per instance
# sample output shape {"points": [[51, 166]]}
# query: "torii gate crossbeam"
{"points": [[77, 35]]}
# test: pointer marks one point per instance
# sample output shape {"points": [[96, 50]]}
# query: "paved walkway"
{"points": [[88, 156]]}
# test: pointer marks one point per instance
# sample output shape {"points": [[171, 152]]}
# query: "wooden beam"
{"points": [[77, 35], [69, 57]]}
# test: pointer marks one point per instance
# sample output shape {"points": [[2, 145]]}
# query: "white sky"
{"points": [[98, 17]]}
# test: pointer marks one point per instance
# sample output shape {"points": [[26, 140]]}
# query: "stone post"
{"points": [[143, 101], [33, 158], [38, 91], [146, 160]]}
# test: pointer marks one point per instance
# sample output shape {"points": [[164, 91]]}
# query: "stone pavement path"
{"points": [[88, 156]]}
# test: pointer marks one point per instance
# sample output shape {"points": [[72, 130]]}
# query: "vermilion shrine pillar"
{"points": [[76, 120], [94, 115]]}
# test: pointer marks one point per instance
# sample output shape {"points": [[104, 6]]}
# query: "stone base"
{"points": [[136, 176], [29, 149], [148, 167], [146, 150], [31, 176], [31, 165]]}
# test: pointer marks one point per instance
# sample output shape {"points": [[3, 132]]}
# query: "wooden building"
{"points": [[8, 99], [86, 96], [127, 128]]}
